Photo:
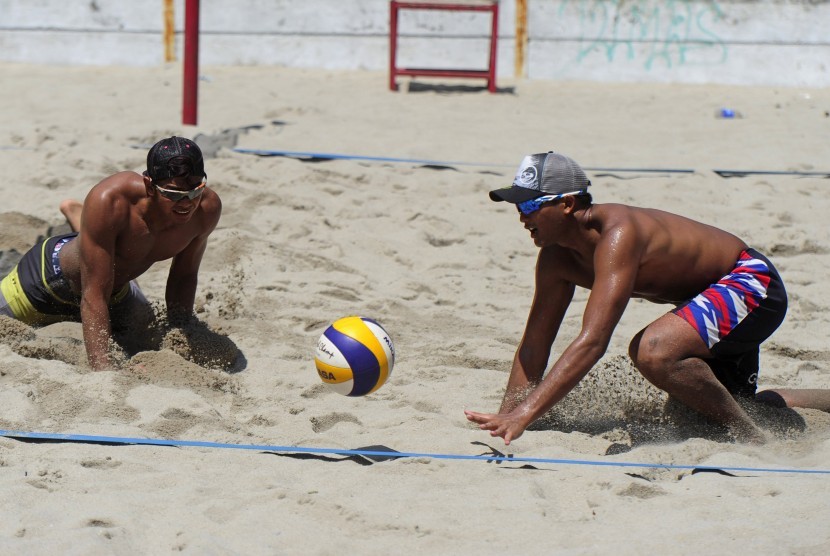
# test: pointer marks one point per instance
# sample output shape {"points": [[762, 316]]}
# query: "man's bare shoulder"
{"points": [[121, 179], [211, 209], [617, 214], [108, 204], [129, 185], [211, 203]]}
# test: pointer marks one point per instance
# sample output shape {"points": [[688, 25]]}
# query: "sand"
{"points": [[420, 248]]}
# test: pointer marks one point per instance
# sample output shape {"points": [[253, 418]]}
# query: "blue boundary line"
{"points": [[336, 156], [81, 438], [340, 156], [743, 173]]}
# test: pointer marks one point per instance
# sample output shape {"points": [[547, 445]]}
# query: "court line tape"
{"points": [[744, 173], [443, 163], [120, 440], [338, 156], [310, 155]]}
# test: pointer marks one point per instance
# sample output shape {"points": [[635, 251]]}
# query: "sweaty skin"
{"points": [[126, 227], [619, 252]]}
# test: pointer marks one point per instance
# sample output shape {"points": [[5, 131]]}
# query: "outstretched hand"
{"points": [[509, 426]]}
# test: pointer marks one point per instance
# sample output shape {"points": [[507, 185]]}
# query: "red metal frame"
{"points": [[489, 74]]}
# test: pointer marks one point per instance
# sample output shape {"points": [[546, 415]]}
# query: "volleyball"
{"points": [[354, 356]]}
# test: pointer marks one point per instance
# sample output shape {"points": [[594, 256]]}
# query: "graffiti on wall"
{"points": [[657, 33]]}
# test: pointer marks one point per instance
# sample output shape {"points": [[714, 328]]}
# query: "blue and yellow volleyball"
{"points": [[355, 356]]}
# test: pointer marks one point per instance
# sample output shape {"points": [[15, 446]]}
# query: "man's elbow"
{"points": [[531, 357], [593, 348]]}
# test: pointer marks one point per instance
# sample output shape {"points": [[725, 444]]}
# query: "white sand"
{"points": [[450, 275]]}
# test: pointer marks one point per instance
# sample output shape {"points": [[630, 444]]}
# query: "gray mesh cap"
{"points": [[544, 174]]}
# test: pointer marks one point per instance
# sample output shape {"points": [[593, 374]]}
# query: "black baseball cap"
{"points": [[175, 157], [540, 174]]}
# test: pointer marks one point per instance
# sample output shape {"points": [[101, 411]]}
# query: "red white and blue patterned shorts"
{"points": [[735, 315]]}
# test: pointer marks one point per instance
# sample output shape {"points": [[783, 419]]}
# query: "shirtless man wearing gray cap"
{"points": [[728, 298]]}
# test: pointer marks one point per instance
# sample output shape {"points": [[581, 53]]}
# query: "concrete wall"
{"points": [[737, 41], [774, 42]]}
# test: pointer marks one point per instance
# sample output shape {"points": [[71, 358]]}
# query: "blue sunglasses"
{"points": [[531, 206]]}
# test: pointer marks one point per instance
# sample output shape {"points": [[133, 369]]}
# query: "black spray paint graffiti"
{"points": [[664, 33]]}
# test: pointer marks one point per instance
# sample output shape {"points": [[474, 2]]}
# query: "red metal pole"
{"points": [[190, 98], [393, 44], [494, 46]]}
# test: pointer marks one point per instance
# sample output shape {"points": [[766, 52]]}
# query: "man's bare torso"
{"points": [[677, 258], [139, 244]]}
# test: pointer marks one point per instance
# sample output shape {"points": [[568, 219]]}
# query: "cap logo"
{"points": [[528, 174]]}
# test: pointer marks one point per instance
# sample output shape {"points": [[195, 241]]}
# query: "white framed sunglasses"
{"points": [[177, 195]]}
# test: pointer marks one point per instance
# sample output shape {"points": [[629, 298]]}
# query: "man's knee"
{"points": [[648, 350], [771, 397], [652, 355], [634, 346]]}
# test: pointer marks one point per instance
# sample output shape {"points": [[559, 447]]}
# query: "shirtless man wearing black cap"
{"points": [[728, 299], [127, 222]]}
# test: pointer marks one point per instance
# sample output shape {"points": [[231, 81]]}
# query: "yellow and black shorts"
{"points": [[36, 291]]}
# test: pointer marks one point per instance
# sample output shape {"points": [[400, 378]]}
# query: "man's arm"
{"points": [[552, 297], [105, 214], [616, 262], [180, 294]]}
